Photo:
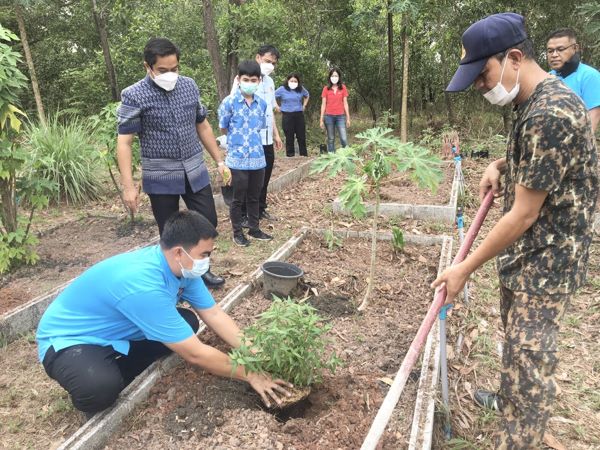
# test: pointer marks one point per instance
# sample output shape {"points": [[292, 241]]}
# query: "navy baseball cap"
{"points": [[489, 36]]}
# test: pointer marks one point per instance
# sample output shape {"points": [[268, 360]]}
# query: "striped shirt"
{"points": [[165, 122]]}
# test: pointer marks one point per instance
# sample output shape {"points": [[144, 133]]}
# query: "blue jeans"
{"points": [[331, 123]]}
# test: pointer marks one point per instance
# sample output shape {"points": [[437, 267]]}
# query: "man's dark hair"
{"points": [[264, 49], [159, 47], [526, 48], [186, 228], [563, 32], [297, 77], [250, 68], [339, 83]]}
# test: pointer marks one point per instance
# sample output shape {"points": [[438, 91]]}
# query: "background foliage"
{"points": [[311, 35]]}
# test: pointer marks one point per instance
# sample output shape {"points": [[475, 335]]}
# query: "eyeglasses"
{"points": [[551, 51]]}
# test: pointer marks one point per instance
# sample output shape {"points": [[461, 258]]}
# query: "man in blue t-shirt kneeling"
{"points": [[120, 315]]}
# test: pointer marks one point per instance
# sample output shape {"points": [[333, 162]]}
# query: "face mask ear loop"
{"points": [[503, 67]]}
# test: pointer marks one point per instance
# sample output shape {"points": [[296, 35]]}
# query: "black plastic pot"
{"points": [[280, 278]]}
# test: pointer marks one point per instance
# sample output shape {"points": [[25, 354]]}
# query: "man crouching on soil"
{"points": [[120, 316]]}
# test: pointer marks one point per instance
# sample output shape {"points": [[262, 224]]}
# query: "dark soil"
{"points": [[67, 250], [193, 409]]}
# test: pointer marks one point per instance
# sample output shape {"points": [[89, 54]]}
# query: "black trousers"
{"points": [[94, 375], [164, 205], [270, 159], [247, 185], [293, 125]]}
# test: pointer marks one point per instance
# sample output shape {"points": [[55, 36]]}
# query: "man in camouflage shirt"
{"points": [[542, 241]]}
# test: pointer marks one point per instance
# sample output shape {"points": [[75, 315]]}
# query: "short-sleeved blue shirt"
{"points": [[127, 297], [243, 123], [585, 81], [291, 100]]}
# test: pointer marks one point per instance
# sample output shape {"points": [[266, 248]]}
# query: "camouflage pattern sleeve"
{"points": [[546, 143]]}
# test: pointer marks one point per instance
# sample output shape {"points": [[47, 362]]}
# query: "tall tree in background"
{"points": [[212, 45], [408, 9], [233, 36], [30, 66], [100, 22], [391, 72], [405, 56]]}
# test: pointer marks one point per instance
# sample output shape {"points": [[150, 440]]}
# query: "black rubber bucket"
{"points": [[280, 278]]}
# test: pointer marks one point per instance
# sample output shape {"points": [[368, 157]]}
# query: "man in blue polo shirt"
{"points": [[120, 315], [164, 110], [564, 58]]}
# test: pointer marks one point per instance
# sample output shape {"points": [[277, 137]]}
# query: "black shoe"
{"points": [[260, 235], [265, 216], [213, 281], [488, 400], [245, 223], [241, 240]]}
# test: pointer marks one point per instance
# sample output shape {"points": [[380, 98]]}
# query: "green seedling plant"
{"points": [[288, 341], [331, 240], [16, 190], [397, 239], [368, 166]]}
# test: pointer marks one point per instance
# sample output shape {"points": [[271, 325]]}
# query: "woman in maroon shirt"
{"points": [[334, 110]]}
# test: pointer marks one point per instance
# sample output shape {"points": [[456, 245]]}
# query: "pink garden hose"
{"points": [[385, 412]]}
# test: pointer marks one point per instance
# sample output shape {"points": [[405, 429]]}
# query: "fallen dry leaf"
{"points": [[552, 442], [386, 380]]}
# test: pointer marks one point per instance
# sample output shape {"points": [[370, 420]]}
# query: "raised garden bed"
{"points": [[22, 302], [400, 196], [191, 409]]}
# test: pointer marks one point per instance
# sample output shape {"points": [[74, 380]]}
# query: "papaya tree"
{"points": [[368, 166]]}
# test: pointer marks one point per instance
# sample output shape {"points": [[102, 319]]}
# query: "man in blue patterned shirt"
{"points": [[164, 110], [242, 116]]}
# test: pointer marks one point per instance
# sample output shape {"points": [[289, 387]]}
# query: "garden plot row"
{"points": [[188, 408], [56, 406], [401, 197], [25, 317]]}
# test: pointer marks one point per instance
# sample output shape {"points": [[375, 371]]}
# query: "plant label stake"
{"points": [[444, 371], [389, 403]]}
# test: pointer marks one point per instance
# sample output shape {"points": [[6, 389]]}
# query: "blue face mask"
{"points": [[199, 267], [248, 88]]}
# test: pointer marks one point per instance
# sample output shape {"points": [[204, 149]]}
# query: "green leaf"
{"points": [[352, 194]]}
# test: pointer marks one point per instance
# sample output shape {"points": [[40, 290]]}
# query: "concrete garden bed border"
{"points": [[24, 318], [94, 433], [443, 213]]}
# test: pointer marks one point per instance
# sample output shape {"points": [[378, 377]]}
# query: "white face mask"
{"points": [[167, 80], [292, 85], [199, 267], [334, 80], [499, 95], [266, 68]]}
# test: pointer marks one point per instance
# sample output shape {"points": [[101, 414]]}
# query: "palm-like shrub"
{"points": [[63, 152]]}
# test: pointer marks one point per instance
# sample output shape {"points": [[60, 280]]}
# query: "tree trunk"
{"points": [[30, 66], [8, 208], [391, 75], [449, 109], [365, 301], [212, 45], [110, 68], [405, 54]]}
